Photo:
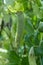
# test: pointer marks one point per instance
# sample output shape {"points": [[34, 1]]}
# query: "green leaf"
{"points": [[29, 27], [25, 61], [13, 58], [32, 58], [40, 27]]}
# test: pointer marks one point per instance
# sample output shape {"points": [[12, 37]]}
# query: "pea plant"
{"points": [[21, 32]]}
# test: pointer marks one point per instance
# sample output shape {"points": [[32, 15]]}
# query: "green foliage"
{"points": [[22, 44]]}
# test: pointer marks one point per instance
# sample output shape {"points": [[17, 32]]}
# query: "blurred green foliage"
{"points": [[21, 35]]}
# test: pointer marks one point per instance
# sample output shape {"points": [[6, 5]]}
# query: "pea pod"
{"points": [[20, 27]]}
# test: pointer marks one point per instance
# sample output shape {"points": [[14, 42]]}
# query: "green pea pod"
{"points": [[20, 27]]}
